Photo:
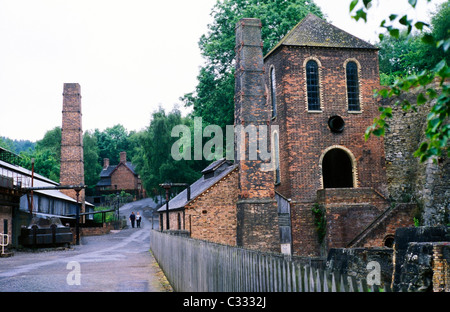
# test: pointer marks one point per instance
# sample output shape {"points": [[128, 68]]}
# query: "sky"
{"points": [[129, 57]]}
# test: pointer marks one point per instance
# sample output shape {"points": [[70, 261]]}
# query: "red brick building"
{"points": [[207, 208], [321, 82], [121, 177], [316, 85]]}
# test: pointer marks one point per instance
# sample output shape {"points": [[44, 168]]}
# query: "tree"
{"points": [[17, 146], [112, 141], [407, 54], [213, 99], [51, 142], [45, 163], [46, 155], [92, 165], [153, 159], [438, 128]]}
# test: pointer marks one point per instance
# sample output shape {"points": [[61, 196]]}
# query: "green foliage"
{"points": [[153, 158], [320, 221], [17, 146], [421, 73], [92, 165], [46, 155], [112, 141], [213, 99], [45, 163], [109, 216]]}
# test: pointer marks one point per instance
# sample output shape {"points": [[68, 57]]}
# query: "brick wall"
{"points": [[212, 215], [400, 216], [9, 199], [72, 162], [123, 178], [441, 267], [304, 136], [256, 208], [5, 214], [305, 241]]}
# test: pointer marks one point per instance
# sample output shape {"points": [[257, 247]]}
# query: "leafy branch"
{"points": [[431, 85]]}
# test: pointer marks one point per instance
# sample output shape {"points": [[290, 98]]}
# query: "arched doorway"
{"points": [[337, 169]]}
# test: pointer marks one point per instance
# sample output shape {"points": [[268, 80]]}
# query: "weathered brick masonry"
{"points": [[306, 137], [257, 214], [314, 154], [212, 215], [409, 180], [72, 162], [124, 178]]}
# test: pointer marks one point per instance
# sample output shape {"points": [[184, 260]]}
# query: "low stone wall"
{"points": [[421, 259], [419, 262], [93, 230], [361, 263]]}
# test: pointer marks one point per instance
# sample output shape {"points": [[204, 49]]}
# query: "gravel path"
{"points": [[116, 262]]}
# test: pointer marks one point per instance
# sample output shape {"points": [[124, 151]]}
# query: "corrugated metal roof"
{"points": [[38, 181], [313, 31]]}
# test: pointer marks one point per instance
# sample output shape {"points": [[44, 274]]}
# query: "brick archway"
{"points": [[338, 168]]}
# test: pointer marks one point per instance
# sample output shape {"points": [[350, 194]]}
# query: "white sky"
{"points": [[128, 56]]}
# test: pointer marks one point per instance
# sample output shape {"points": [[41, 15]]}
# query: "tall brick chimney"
{"points": [[257, 224], [72, 163]]}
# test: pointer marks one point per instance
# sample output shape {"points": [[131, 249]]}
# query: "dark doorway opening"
{"points": [[337, 169]]}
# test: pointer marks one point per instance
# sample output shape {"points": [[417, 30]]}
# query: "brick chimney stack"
{"points": [[105, 163], [72, 162], [257, 223], [123, 157]]}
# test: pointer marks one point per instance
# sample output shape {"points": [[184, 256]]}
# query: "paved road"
{"points": [[120, 261]]}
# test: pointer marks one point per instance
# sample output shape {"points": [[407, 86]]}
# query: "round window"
{"points": [[336, 124]]}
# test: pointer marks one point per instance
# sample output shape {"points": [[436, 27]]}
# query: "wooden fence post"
{"points": [[200, 266]]}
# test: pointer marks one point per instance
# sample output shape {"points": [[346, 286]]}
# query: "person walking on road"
{"points": [[132, 219], [138, 220]]}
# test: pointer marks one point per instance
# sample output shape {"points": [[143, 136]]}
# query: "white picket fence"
{"points": [[193, 265]]}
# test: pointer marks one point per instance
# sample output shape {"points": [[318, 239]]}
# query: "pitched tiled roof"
{"points": [[219, 168], [106, 173], [313, 31]]}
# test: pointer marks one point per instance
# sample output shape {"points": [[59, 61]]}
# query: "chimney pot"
{"points": [[123, 157]]}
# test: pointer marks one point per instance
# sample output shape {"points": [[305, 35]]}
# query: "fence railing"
{"points": [[193, 265]]}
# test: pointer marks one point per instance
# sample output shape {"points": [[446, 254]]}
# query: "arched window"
{"points": [[352, 86], [312, 85], [277, 157], [273, 90]]}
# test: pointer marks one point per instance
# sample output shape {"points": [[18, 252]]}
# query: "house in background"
{"points": [[118, 178]]}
